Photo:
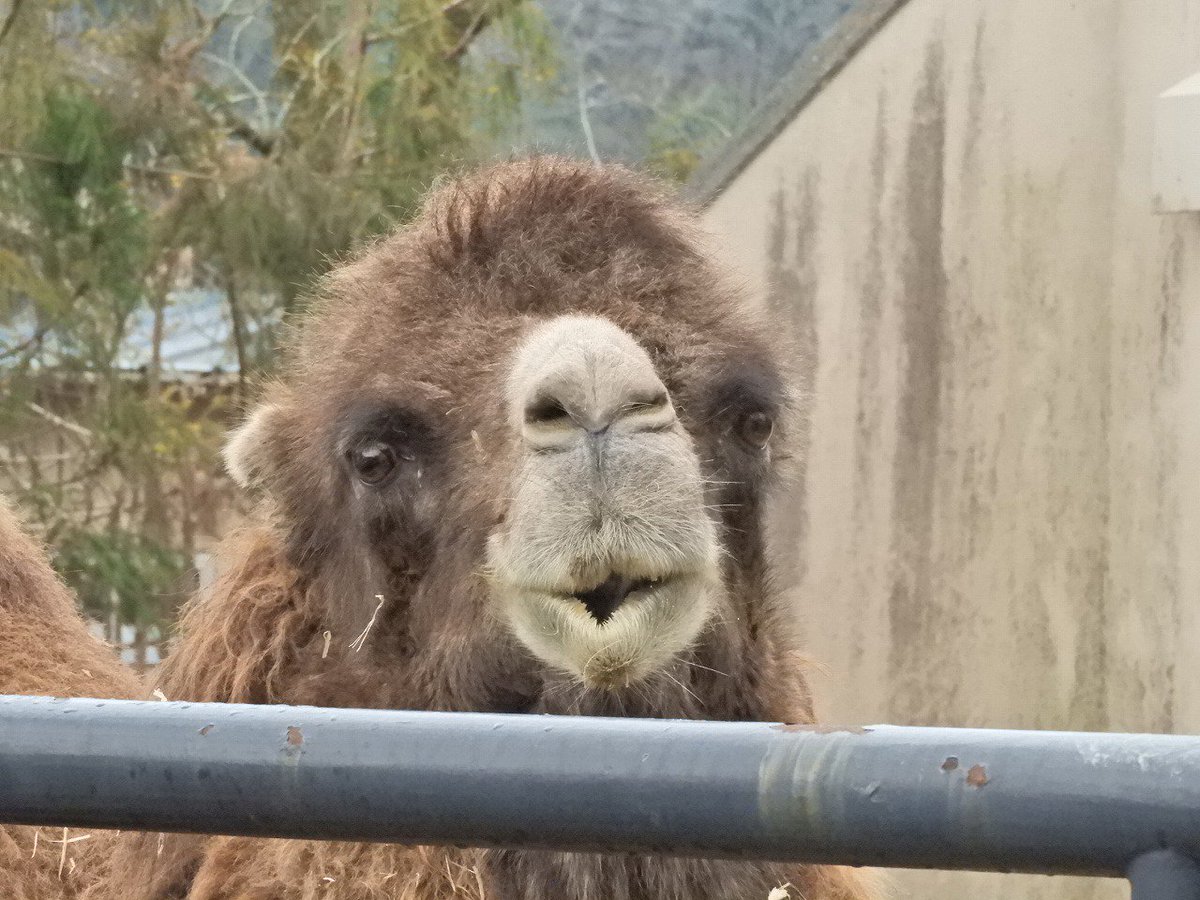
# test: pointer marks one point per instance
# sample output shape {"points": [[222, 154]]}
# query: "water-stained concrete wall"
{"points": [[999, 524]]}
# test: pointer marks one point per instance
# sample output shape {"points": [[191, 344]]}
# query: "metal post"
{"points": [[1165, 875], [1043, 802]]}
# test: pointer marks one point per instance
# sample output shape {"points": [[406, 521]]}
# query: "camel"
{"points": [[516, 461], [45, 649]]}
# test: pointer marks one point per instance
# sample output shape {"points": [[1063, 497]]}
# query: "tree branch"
{"points": [[469, 34], [470, 20], [248, 133], [20, 348], [470, 17], [585, 120], [238, 327], [10, 19], [73, 427], [459, 12], [13, 153]]}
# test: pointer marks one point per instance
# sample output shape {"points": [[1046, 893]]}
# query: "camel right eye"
{"points": [[373, 462]]}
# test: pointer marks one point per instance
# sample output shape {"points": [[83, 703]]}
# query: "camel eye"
{"points": [[373, 462], [755, 429]]}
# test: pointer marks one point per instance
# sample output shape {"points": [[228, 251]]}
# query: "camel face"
{"points": [[526, 442], [606, 564]]}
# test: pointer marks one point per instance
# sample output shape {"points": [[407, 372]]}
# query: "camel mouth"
{"points": [[602, 601], [616, 632]]}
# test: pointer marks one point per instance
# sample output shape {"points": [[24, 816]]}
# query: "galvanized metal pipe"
{"points": [[1089, 804]]}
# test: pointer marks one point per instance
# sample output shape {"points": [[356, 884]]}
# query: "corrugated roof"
{"points": [[197, 336]]}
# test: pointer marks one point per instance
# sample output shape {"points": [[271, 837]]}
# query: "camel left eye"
{"points": [[755, 429], [373, 462]]}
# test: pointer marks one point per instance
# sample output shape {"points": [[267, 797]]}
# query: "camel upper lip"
{"points": [[607, 597]]}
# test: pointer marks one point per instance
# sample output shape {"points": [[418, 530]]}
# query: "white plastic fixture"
{"points": [[1176, 171]]}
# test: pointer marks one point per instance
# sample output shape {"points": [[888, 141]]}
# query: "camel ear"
{"points": [[248, 450]]}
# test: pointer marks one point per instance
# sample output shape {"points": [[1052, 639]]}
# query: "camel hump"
{"points": [[45, 646]]}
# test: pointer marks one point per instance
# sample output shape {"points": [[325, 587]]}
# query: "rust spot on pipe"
{"points": [[206, 729], [977, 776], [295, 737], [950, 764]]}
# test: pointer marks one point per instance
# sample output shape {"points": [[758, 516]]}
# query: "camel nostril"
{"points": [[652, 405], [548, 416], [546, 411]]}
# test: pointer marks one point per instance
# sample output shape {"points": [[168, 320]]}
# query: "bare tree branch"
{"points": [[10, 19], [13, 153], [18, 349], [469, 34], [66, 424], [260, 98], [354, 56], [264, 144], [585, 120], [470, 17], [238, 326], [459, 12]]}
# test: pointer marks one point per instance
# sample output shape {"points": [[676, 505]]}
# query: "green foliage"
{"points": [[143, 577], [24, 288], [152, 146], [686, 131], [366, 105], [87, 222]]}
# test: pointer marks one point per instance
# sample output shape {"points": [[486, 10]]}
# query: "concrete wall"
{"points": [[1000, 520]]}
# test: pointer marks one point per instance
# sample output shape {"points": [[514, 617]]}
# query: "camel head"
{"points": [[528, 438]]}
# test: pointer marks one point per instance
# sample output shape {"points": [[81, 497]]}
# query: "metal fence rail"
{"points": [[1012, 801]]}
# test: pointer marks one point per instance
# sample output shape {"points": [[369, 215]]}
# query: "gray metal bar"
{"points": [[912, 797], [1164, 875]]}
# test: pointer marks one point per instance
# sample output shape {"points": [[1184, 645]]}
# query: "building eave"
{"points": [[816, 68]]}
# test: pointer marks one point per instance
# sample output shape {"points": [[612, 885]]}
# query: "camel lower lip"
{"points": [[657, 619]]}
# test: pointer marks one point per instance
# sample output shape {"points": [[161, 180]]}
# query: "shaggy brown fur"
{"points": [[45, 649], [419, 329]]}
